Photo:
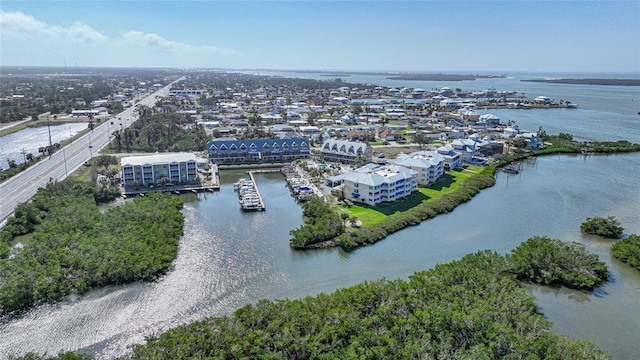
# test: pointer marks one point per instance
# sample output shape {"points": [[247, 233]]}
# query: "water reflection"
{"points": [[228, 258], [16, 145]]}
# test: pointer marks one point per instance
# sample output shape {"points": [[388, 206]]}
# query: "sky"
{"points": [[427, 36]]}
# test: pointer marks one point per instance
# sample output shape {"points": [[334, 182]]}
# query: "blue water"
{"points": [[16, 145], [229, 258]]}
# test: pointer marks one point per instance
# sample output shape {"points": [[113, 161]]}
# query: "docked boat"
{"points": [[511, 169]]}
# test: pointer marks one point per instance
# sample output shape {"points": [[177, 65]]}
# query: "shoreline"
{"points": [[594, 81], [351, 240]]}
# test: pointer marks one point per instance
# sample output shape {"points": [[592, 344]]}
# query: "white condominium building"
{"points": [[428, 165], [373, 184], [147, 170]]}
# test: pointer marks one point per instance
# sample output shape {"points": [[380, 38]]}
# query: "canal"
{"points": [[229, 258]]}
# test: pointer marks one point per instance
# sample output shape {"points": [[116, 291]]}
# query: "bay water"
{"points": [[229, 258]]}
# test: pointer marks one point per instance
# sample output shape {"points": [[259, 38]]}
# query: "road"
{"points": [[25, 184]]}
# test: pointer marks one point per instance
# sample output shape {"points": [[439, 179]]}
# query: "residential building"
{"points": [[452, 159], [186, 92], [251, 151], [346, 151], [428, 165], [373, 184], [466, 148], [148, 170]]}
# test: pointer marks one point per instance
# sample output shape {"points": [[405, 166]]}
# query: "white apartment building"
{"points": [[428, 165], [147, 170], [373, 184]]}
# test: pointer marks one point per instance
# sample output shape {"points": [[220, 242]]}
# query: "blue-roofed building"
{"points": [[255, 151]]}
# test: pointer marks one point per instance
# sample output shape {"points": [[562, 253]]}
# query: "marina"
{"points": [[299, 185], [249, 195], [210, 182]]}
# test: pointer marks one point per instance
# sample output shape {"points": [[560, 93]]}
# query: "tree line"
{"points": [[161, 132], [74, 247], [472, 308]]}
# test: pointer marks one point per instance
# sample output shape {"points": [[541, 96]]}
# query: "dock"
{"points": [[249, 195], [207, 183]]}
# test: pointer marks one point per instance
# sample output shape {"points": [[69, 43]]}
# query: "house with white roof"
{"points": [[176, 168], [452, 159], [373, 184], [533, 140], [489, 119], [428, 165], [465, 147]]}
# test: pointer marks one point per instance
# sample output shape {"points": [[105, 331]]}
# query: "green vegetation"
{"points": [[607, 227], [322, 222], [552, 262], [450, 182], [472, 308], [160, 132], [28, 215], [563, 143], [74, 247], [420, 207], [628, 251]]}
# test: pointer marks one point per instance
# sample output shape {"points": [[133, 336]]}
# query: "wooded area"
{"points": [[74, 247]]}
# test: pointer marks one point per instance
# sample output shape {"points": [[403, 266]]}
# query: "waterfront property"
{"points": [[173, 168], [428, 165], [256, 151], [373, 184], [346, 151], [452, 159]]}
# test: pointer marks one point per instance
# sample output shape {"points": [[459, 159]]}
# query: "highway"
{"points": [[24, 185]]}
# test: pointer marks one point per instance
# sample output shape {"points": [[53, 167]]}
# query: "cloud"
{"points": [[25, 40], [16, 25], [156, 41]]}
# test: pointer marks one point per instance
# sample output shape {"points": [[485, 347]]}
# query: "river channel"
{"points": [[229, 258]]}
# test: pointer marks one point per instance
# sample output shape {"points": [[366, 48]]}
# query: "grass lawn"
{"points": [[450, 182]]}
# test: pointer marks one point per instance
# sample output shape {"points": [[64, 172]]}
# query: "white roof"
{"points": [[157, 159], [419, 159], [374, 174]]}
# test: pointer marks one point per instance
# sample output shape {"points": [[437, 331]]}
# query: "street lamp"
{"points": [[66, 173], [90, 149], [50, 144]]}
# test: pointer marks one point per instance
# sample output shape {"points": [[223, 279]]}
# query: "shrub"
{"points": [[606, 227], [553, 262], [628, 250]]}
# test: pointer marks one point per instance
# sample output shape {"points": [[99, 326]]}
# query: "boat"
{"points": [[511, 169]]}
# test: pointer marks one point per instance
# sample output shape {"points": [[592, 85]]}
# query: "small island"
{"points": [[610, 82], [443, 77]]}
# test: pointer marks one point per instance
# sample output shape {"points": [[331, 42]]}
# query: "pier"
{"points": [[208, 183], [250, 198]]}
